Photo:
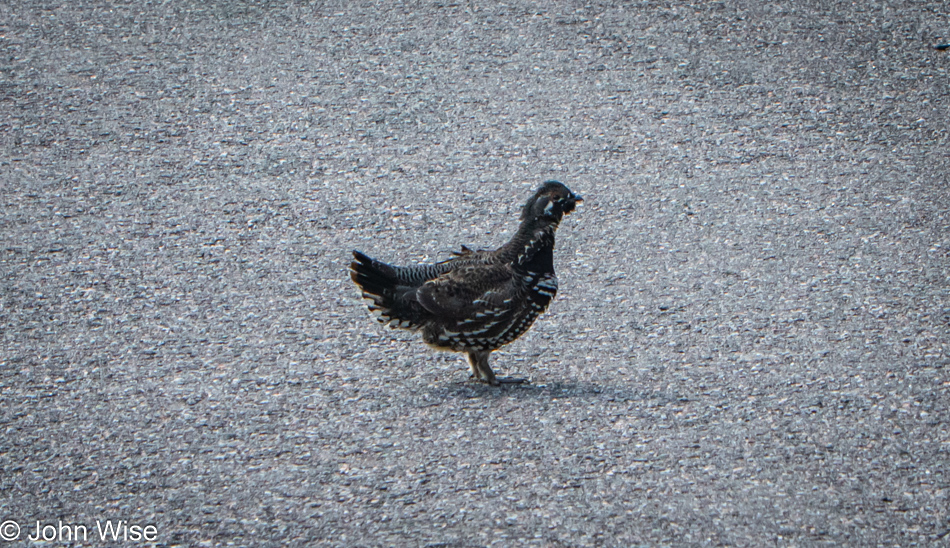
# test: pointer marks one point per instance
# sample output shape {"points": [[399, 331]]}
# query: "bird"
{"points": [[476, 301]]}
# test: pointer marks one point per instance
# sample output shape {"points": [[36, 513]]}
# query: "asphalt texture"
{"points": [[751, 342]]}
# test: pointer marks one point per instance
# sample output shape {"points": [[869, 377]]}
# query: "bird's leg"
{"points": [[478, 361]]}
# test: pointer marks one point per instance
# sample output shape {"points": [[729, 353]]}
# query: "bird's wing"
{"points": [[470, 292]]}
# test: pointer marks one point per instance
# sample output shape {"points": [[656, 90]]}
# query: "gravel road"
{"points": [[751, 342]]}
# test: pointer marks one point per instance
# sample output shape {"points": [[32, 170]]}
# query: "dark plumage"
{"points": [[477, 301]]}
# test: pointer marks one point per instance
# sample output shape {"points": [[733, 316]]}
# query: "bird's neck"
{"points": [[531, 248]]}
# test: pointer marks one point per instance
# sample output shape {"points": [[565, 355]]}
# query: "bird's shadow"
{"points": [[467, 390]]}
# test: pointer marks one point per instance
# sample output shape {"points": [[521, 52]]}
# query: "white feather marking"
{"points": [[549, 283]]}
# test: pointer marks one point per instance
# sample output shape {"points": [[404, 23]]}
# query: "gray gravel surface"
{"points": [[751, 342]]}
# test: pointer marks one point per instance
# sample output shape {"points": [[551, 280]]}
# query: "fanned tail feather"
{"points": [[383, 292]]}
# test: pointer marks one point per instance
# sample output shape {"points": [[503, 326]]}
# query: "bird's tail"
{"points": [[380, 286]]}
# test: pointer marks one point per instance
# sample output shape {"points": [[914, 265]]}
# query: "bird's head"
{"points": [[550, 203]]}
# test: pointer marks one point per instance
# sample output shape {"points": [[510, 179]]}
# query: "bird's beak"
{"points": [[577, 198]]}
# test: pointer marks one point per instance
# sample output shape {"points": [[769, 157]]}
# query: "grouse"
{"points": [[476, 301]]}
